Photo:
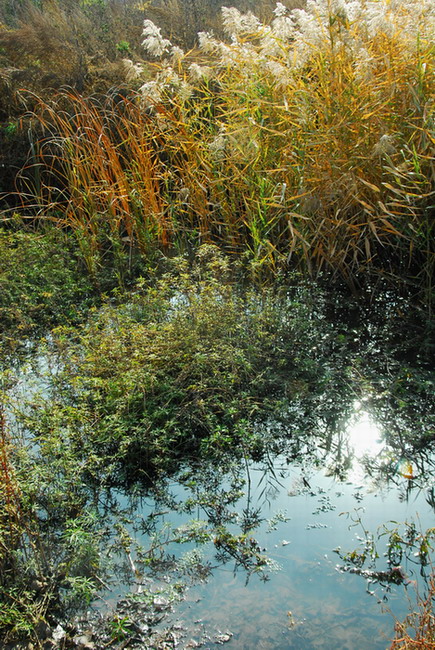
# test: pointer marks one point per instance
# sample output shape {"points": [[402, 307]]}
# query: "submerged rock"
{"points": [[161, 603]]}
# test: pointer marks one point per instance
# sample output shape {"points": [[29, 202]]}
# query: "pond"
{"points": [[229, 471], [305, 516]]}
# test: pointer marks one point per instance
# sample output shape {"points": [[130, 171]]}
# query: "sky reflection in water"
{"points": [[309, 603]]}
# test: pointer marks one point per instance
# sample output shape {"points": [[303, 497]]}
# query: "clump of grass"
{"points": [[101, 174]]}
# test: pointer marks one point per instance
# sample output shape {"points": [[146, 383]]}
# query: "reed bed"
{"points": [[309, 141]]}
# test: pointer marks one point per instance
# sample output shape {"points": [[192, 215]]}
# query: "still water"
{"points": [[305, 512], [309, 511]]}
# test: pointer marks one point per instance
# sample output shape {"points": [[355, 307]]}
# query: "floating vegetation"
{"points": [[192, 378]]}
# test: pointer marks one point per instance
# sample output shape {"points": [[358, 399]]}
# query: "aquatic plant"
{"points": [[189, 366], [187, 377], [49, 548], [406, 548]]}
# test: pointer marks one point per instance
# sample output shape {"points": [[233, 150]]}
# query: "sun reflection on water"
{"points": [[364, 436]]}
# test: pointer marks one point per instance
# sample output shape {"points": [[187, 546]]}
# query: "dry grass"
{"points": [[333, 170], [10, 529], [417, 631]]}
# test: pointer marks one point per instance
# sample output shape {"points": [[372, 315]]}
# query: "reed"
{"points": [[307, 141]]}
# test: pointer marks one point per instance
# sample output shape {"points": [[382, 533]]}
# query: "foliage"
{"points": [[406, 549], [175, 373], [48, 44], [303, 140], [41, 283], [187, 366], [41, 572], [55, 43], [418, 629], [63, 537], [187, 378]]}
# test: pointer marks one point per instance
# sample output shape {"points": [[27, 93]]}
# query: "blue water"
{"points": [[309, 602]]}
